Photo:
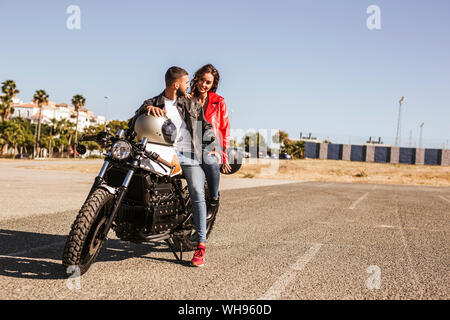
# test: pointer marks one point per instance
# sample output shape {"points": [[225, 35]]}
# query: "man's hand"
{"points": [[157, 112]]}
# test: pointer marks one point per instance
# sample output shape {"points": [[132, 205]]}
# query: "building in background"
{"points": [[52, 110]]}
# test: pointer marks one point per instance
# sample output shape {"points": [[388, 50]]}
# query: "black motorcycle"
{"points": [[140, 195]]}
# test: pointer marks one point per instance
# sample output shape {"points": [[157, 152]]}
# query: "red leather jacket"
{"points": [[216, 113]]}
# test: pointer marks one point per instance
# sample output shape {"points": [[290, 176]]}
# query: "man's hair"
{"points": [[174, 73]]}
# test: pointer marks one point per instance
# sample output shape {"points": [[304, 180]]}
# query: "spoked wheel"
{"points": [[84, 242], [190, 240]]}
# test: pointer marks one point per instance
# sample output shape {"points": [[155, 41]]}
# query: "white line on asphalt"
{"points": [[245, 199], [324, 184], [412, 271], [280, 285], [444, 198], [353, 206]]}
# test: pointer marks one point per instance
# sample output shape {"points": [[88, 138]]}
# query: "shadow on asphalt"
{"points": [[28, 254]]}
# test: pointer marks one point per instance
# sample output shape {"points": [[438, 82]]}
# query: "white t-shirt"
{"points": [[183, 139]]}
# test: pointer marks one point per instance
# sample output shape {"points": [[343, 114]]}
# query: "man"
{"points": [[192, 131]]}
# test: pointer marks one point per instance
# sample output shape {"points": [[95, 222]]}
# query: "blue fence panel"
{"points": [[433, 156], [358, 153], [335, 151], [312, 150], [407, 155], [382, 154]]}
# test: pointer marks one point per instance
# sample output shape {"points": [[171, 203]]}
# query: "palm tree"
{"points": [[41, 98], [78, 102], [14, 135], [5, 106], [67, 132], [3, 138], [9, 89]]}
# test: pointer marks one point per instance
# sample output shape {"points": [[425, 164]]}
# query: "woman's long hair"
{"points": [[208, 68]]}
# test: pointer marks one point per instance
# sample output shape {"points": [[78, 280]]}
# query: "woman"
{"points": [[203, 88]]}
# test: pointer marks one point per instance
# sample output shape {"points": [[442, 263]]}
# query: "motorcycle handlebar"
{"points": [[89, 137], [94, 137], [156, 157]]}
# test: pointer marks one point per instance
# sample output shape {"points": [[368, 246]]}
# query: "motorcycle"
{"points": [[141, 194]]}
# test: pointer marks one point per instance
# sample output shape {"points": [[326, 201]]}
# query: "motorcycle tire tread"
{"points": [[81, 227]]}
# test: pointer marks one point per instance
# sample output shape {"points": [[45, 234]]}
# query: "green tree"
{"points": [[40, 98], [281, 137], [27, 138], [5, 106], [10, 91], [15, 134], [253, 142], [67, 133], [295, 148], [114, 125], [78, 102]]}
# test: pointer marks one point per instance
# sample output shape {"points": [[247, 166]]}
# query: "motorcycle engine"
{"points": [[160, 210], [164, 207]]}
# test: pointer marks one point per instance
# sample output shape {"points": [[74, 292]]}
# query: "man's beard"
{"points": [[181, 93]]}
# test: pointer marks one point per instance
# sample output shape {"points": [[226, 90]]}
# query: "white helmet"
{"points": [[159, 130]]}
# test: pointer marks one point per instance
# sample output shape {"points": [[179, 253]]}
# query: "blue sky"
{"points": [[310, 66]]}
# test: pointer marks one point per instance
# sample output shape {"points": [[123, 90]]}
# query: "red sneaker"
{"points": [[199, 257]]}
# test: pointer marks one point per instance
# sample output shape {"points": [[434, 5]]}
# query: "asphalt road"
{"points": [[309, 240], [26, 189]]}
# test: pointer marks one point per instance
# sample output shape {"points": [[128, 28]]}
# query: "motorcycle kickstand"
{"points": [[171, 245]]}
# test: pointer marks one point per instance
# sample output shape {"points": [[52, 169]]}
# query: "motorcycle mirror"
{"points": [[81, 149], [235, 159]]}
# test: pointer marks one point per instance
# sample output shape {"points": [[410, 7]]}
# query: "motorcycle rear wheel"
{"points": [[84, 243]]}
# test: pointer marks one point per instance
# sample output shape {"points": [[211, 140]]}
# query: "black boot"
{"points": [[213, 206]]}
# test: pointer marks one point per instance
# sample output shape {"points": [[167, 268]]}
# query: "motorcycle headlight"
{"points": [[121, 150]]}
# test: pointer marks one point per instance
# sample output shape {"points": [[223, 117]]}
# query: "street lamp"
{"points": [[421, 135], [106, 113], [399, 123]]}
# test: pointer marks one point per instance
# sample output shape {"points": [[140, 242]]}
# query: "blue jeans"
{"points": [[212, 171], [195, 174]]}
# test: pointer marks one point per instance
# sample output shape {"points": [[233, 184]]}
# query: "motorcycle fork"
{"points": [[120, 194], [99, 179]]}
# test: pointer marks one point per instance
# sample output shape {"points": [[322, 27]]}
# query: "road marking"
{"points": [[444, 198], [353, 206], [412, 271], [280, 285], [245, 199], [324, 184]]}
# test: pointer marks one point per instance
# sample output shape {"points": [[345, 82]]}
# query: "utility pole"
{"points": [[421, 135], [399, 122], [35, 139], [106, 113]]}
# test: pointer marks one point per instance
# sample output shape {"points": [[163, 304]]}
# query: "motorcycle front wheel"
{"points": [[84, 241]]}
